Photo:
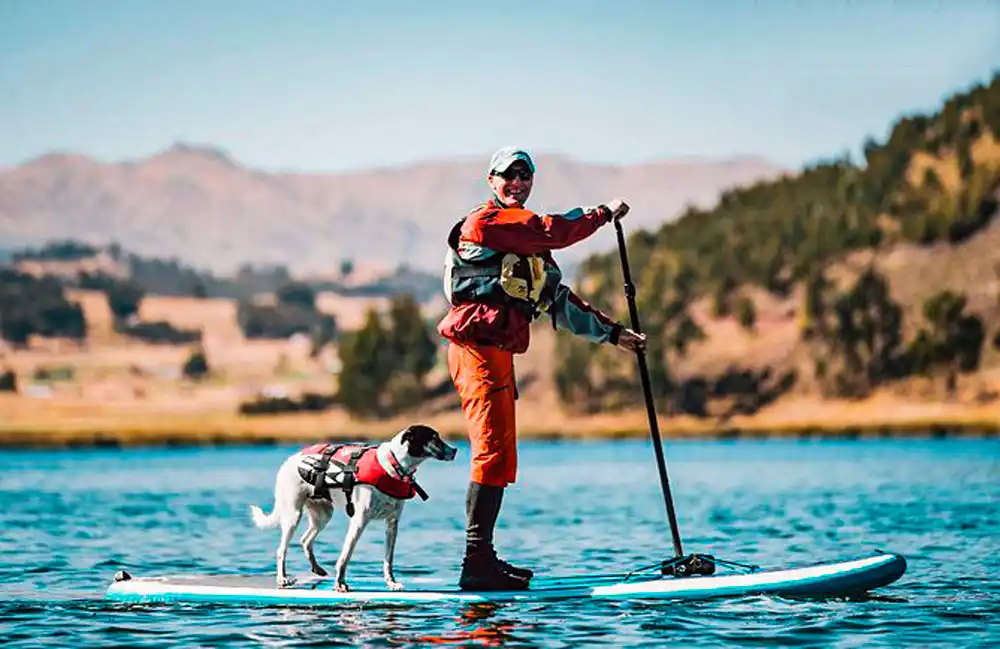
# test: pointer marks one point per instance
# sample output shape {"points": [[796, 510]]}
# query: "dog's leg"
{"points": [[391, 529], [354, 530], [289, 521], [318, 519]]}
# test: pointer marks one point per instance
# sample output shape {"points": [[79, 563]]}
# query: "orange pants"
{"points": [[484, 379]]}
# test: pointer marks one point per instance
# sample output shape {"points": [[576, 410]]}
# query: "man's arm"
{"points": [[524, 232], [571, 313]]}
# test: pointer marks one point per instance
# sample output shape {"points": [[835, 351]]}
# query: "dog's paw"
{"points": [[394, 585], [342, 587], [318, 570], [285, 582]]}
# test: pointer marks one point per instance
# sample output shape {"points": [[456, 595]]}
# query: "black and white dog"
{"points": [[368, 482]]}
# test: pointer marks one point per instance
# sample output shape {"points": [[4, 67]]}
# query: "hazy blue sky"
{"points": [[338, 84]]}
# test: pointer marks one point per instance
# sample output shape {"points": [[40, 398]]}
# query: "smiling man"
{"points": [[499, 277]]}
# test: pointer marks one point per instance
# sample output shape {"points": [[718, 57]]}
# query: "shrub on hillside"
{"points": [[297, 294], [275, 322], [160, 332], [31, 305], [66, 250], [196, 366], [8, 381], [308, 402]]}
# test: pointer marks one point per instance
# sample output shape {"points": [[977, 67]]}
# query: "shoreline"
{"points": [[230, 430]]}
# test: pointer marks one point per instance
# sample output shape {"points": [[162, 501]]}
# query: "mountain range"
{"points": [[198, 204]]}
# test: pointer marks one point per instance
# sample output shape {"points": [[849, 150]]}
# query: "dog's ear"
{"points": [[413, 445], [417, 437]]}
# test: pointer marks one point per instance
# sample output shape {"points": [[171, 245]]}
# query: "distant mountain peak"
{"points": [[55, 159], [181, 150]]}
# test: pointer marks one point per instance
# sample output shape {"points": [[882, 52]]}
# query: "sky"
{"points": [[338, 85]]}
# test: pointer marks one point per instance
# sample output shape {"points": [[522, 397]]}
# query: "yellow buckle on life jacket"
{"points": [[522, 277]]}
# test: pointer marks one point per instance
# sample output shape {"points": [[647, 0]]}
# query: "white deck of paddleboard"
{"points": [[216, 588]]}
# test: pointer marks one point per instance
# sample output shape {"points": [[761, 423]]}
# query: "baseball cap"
{"points": [[507, 156]]}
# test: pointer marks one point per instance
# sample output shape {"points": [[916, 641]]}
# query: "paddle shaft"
{"points": [[654, 428]]}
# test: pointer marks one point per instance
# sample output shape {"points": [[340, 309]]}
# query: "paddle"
{"points": [[680, 565]]}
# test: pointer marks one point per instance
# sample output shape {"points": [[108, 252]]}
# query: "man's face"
{"points": [[513, 185]]}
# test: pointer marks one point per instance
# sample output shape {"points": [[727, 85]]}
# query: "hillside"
{"points": [[200, 205], [919, 212]]}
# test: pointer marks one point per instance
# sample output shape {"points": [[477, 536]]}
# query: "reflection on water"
{"points": [[477, 624]]}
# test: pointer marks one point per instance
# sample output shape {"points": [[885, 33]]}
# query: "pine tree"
{"points": [[410, 340], [366, 367]]}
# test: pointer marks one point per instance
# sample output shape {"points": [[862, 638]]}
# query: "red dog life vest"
{"points": [[358, 465]]}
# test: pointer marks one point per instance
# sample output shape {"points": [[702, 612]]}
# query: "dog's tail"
{"points": [[264, 521]]}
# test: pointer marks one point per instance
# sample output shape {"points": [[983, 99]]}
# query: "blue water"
{"points": [[70, 519]]}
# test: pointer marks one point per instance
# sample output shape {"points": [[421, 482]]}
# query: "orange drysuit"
{"points": [[484, 378], [485, 336]]}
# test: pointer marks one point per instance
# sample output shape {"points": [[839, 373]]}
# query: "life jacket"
{"points": [[502, 279], [355, 464]]}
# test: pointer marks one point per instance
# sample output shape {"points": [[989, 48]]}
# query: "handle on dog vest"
{"points": [[349, 480], [420, 490]]}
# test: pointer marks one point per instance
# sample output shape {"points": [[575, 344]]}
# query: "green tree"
{"points": [[124, 299], [196, 366], [572, 372], [813, 309], [198, 289], [37, 305], [8, 380], [297, 294], [323, 332], [746, 313], [722, 297], [963, 149], [366, 367], [859, 337], [413, 349], [663, 299], [951, 339]]}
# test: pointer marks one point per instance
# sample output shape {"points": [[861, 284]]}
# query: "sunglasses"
{"points": [[516, 172]]}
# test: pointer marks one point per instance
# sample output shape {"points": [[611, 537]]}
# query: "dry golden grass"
{"points": [[985, 152], [215, 317], [349, 311], [59, 425]]}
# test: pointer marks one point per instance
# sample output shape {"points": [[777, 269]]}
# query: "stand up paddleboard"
{"points": [[841, 579], [685, 576]]}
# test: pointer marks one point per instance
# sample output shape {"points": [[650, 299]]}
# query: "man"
{"points": [[499, 277]]}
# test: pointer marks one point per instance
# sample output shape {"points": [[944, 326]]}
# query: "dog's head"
{"points": [[419, 441]]}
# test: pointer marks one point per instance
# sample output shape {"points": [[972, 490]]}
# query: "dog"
{"points": [[325, 477]]}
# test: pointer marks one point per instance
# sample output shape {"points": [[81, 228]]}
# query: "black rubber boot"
{"points": [[481, 569], [523, 573]]}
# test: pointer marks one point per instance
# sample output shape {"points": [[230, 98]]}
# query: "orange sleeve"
{"points": [[524, 232]]}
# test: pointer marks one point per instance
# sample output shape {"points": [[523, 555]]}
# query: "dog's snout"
{"points": [[449, 452]]}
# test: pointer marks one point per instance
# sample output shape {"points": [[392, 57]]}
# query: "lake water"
{"points": [[70, 519]]}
